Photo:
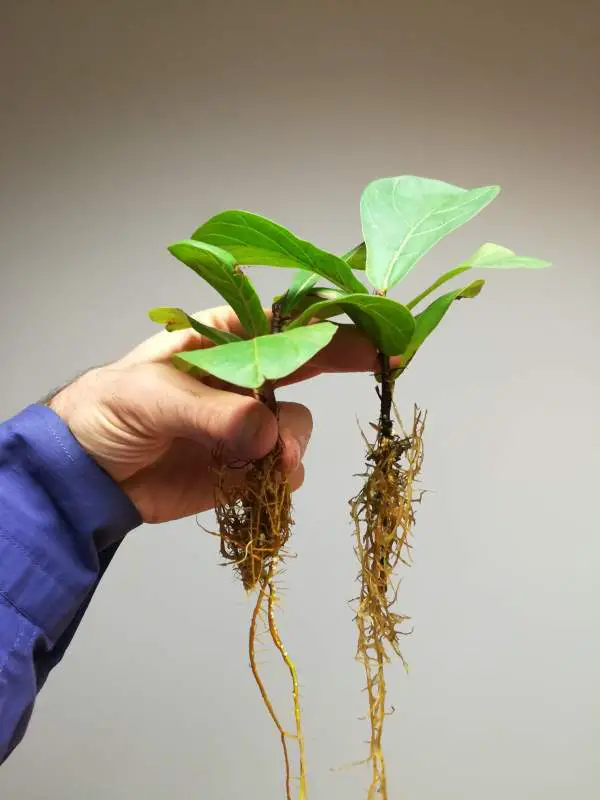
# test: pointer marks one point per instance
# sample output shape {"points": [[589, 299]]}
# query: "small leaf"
{"points": [[302, 283], [388, 324], [320, 293], [404, 217], [428, 320], [252, 362], [494, 256], [488, 256], [175, 319], [218, 268], [472, 290], [255, 240], [357, 257], [447, 276]]}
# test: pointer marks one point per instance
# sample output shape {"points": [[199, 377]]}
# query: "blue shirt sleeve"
{"points": [[61, 521]]}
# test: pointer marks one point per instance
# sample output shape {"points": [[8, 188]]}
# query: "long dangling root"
{"points": [[255, 523], [261, 687], [295, 689], [383, 515]]}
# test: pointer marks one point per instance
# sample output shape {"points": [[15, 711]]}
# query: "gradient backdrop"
{"points": [[126, 124]]}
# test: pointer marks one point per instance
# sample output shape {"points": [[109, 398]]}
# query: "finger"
{"points": [[295, 429], [170, 404], [163, 345], [348, 351], [296, 479]]}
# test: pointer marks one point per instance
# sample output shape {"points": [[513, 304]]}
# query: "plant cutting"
{"points": [[402, 219]]}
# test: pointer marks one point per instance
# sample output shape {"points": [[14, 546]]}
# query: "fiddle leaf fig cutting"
{"points": [[403, 218]]}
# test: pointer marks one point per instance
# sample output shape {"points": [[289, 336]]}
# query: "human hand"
{"points": [[155, 430]]}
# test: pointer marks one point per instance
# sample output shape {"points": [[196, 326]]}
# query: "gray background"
{"points": [[126, 124]]}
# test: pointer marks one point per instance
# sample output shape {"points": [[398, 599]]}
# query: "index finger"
{"points": [[348, 351], [162, 346]]}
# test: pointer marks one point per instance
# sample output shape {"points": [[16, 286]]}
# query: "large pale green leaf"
{"points": [[488, 256], [494, 256], [255, 240], [357, 257], [388, 324], [220, 269], [252, 362], [428, 320], [404, 217], [175, 319]]}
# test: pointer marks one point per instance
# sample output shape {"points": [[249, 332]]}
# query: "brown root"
{"points": [[255, 519], [261, 687], [383, 515], [275, 636], [255, 523]]}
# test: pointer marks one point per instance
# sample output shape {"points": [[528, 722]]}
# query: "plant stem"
{"points": [[386, 397], [386, 394], [266, 393], [276, 317]]}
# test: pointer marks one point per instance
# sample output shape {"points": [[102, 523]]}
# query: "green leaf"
{"points": [[494, 256], [316, 294], [218, 268], [357, 257], [436, 284], [175, 319], [404, 217], [428, 320], [488, 256], [388, 324], [252, 362], [302, 283], [255, 240]]}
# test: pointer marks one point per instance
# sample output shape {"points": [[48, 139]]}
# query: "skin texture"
{"points": [[155, 430]]}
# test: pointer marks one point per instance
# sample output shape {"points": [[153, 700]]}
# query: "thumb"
{"points": [[175, 405]]}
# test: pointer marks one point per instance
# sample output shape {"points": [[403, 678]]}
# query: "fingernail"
{"points": [[292, 450], [302, 444], [249, 434]]}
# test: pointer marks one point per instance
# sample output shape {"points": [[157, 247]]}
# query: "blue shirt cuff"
{"points": [[59, 510]]}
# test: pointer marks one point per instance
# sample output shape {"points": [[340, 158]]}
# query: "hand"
{"points": [[154, 429]]}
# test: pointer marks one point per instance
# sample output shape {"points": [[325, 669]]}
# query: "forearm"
{"points": [[61, 521]]}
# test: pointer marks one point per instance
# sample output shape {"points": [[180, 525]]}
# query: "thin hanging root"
{"points": [[255, 523], [266, 699], [295, 690], [383, 515]]}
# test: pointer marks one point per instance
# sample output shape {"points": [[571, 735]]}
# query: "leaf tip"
{"points": [[175, 248], [472, 290], [155, 315]]}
